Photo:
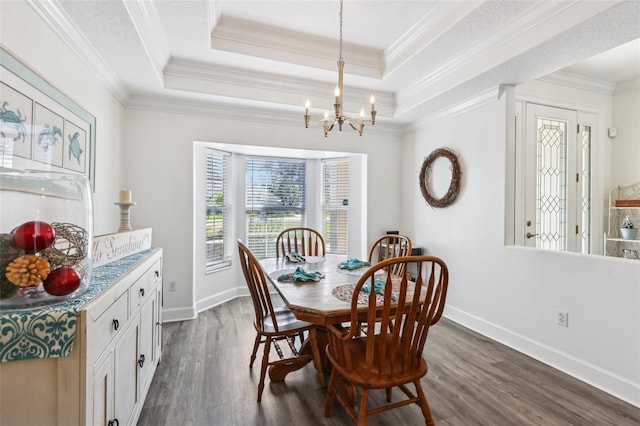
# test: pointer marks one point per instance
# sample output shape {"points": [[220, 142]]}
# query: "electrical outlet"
{"points": [[563, 318], [172, 286]]}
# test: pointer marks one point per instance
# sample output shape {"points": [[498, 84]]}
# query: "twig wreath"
{"points": [[425, 176]]}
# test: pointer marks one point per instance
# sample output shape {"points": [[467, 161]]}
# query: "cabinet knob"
{"points": [[116, 324], [157, 274], [113, 422], [142, 292], [141, 360]]}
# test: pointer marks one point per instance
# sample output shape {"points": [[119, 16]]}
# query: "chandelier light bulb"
{"points": [[307, 105], [362, 113], [326, 115]]}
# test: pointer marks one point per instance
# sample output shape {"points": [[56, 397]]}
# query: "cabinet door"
{"points": [[126, 374], [103, 392], [157, 341], [147, 357]]}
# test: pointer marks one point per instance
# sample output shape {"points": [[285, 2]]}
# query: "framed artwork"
{"points": [[40, 127]]}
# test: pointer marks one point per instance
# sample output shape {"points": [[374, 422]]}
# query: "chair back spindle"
{"points": [[388, 247], [305, 241]]}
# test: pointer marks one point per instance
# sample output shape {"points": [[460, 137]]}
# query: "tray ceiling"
{"points": [[417, 57]]}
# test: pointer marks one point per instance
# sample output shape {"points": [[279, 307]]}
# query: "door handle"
{"points": [[530, 235]]}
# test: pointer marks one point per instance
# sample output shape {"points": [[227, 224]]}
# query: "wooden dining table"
{"points": [[314, 302]]}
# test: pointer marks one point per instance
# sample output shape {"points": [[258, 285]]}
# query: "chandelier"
{"points": [[328, 123]]}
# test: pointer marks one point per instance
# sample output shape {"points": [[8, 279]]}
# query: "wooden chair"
{"points": [[388, 247], [306, 241], [391, 355], [274, 325]]}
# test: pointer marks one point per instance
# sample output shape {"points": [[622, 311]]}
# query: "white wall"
{"points": [[511, 294], [160, 172], [625, 148], [23, 32]]}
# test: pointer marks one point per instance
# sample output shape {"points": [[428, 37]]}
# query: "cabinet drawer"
{"points": [[144, 286], [140, 291], [107, 325], [155, 272]]}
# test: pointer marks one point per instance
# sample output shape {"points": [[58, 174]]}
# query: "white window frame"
{"points": [[336, 200], [216, 184]]}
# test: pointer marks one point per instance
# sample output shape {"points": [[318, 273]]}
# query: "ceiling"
{"points": [[418, 57]]}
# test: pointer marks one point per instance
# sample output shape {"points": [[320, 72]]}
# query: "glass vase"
{"points": [[46, 226]]}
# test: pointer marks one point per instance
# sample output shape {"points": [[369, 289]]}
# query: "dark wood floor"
{"points": [[204, 379]]}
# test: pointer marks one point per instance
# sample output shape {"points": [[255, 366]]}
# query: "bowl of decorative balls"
{"points": [[45, 234]]}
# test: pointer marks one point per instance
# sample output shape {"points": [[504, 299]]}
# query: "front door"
{"points": [[554, 175]]}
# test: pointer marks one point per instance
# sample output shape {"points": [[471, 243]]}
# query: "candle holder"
{"points": [[125, 224]]}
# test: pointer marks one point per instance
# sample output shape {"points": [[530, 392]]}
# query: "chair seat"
{"points": [[376, 376], [287, 322]]}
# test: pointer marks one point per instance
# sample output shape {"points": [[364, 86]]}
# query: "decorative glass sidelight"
{"points": [[584, 211], [551, 184]]}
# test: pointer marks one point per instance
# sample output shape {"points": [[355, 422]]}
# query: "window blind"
{"points": [[217, 209], [275, 200], [335, 189]]}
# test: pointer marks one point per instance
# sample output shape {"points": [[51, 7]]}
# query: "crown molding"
{"points": [[251, 85], [627, 86], [536, 24], [60, 23], [532, 19], [269, 42], [225, 111], [146, 21], [579, 82], [485, 97], [437, 21]]}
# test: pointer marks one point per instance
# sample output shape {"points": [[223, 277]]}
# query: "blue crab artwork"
{"points": [[12, 123], [74, 147], [49, 136]]}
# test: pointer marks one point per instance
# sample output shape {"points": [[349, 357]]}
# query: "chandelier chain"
{"points": [[340, 29]]}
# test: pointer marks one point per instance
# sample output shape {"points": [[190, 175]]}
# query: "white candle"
{"points": [[125, 196]]}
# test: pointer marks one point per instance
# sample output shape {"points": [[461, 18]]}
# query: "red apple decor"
{"points": [[38, 239], [34, 236], [62, 281]]}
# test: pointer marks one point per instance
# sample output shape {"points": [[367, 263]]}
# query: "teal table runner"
{"points": [[49, 331]]}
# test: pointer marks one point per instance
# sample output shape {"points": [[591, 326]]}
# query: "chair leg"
{"points": [[424, 405], [389, 394], [362, 412], [265, 364], [316, 355], [255, 351], [331, 391]]}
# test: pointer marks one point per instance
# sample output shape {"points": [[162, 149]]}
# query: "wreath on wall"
{"points": [[425, 176]]}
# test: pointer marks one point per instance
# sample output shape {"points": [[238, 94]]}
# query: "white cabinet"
{"points": [[107, 376], [615, 245]]}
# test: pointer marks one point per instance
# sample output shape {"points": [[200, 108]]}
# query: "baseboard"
{"points": [[604, 380], [178, 314], [217, 299]]}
